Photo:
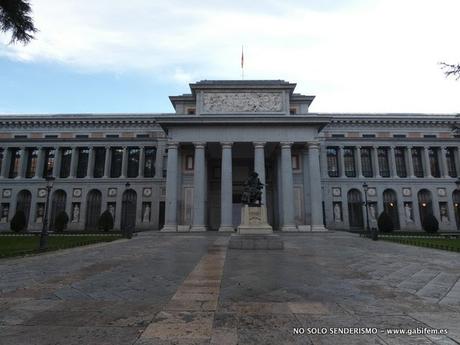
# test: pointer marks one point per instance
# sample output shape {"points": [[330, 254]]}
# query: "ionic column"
{"points": [[199, 188], [341, 161], [445, 171], [90, 169], [375, 161], [108, 157], [57, 162], [287, 185], [410, 163], [40, 161], [5, 162], [22, 162], [141, 161], [259, 166], [124, 163], [226, 192], [171, 188], [427, 161], [393, 172], [358, 162], [315, 188], [73, 162]]}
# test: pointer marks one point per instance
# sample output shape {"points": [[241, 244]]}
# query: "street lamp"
{"points": [[44, 233], [366, 188]]}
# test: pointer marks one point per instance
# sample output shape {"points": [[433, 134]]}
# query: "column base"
{"points": [[198, 228], [318, 228], [226, 228], [169, 228], [304, 228], [289, 228]]}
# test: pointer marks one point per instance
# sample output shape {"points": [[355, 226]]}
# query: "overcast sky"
{"points": [[129, 56]]}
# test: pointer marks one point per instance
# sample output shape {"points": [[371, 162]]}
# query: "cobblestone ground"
{"points": [[191, 289]]}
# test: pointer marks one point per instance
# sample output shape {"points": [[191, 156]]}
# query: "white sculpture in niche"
{"points": [[241, 102], [337, 213], [408, 212]]}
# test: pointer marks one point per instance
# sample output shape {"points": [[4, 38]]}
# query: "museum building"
{"points": [[185, 171]]}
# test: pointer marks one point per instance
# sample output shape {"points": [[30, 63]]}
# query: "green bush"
{"points": [[105, 221], [430, 224], [385, 223], [61, 221], [19, 222]]}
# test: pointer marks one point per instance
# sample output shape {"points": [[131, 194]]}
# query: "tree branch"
{"points": [[15, 17], [451, 70]]}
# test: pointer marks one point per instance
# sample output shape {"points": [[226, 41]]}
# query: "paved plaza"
{"points": [[190, 289]]}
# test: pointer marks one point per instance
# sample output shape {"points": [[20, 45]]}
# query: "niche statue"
{"points": [[252, 194]]}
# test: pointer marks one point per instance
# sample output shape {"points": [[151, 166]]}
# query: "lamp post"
{"points": [[44, 233], [366, 188]]}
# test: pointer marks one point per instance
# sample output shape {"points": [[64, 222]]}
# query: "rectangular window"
{"points": [[429, 136], [149, 161], [82, 136], [366, 162], [450, 159], [332, 161], [189, 162], [99, 162], [434, 161], [417, 161], [368, 135], [400, 161], [384, 167], [66, 157], [399, 135], [32, 156], [338, 135], [133, 161], [142, 135], [82, 163], [295, 162], [20, 136], [14, 162], [111, 135], [349, 161], [117, 158], [50, 155], [51, 136]]}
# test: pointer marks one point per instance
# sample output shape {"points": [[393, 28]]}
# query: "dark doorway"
{"points": [[93, 209], [23, 204], [390, 206], [355, 209], [161, 215], [456, 200], [425, 203], [128, 210], [57, 205]]}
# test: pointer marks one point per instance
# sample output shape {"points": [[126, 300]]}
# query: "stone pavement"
{"points": [[190, 289]]}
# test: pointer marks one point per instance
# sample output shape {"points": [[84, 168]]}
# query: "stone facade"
{"points": [[166, 171]]}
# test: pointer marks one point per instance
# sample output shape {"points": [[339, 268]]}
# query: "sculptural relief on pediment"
{"points": [[242, 102]]}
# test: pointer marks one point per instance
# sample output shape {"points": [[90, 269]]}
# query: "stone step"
{"points": [[439, 286], [418, 280]]}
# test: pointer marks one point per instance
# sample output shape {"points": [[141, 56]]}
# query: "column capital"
{"points": [[199, 144], [172, 144], [313, 145], [226, 144], [259, 144], [286, 144]]}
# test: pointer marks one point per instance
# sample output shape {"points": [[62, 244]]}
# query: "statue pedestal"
{"points": [[254, 221], [254, 231]]}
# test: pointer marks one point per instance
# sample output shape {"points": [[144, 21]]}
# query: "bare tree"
{"points": [[451, 70], [15, 17]]}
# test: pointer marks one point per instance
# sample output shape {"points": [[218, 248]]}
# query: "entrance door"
{"points": [[128, 210], [93, 209], [57, 206], [23, 203], [425, 203], [456, 200], [355, 209]]}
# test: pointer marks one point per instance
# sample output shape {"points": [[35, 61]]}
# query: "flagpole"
{"points": [[242, 63]]}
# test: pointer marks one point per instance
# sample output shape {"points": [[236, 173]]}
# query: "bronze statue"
{"points": [[252, 194]]}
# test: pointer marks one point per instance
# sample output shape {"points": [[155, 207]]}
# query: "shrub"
{"points": [[105, 221], [61, 221], [385, 223], [19, 221], [430, 224]]}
